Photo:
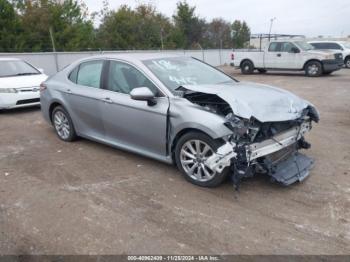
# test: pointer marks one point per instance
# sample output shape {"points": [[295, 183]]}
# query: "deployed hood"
{"points": [[22, 81], [265, 103]]}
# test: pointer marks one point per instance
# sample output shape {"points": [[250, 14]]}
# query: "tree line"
{"points": [[66, 25]]}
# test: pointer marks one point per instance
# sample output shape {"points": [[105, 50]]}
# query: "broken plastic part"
{"points": [[222, 158]]}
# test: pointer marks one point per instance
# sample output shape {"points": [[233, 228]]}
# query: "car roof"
{"points": [[288, 40], [325, 41], [9, 59], [134, 56]]}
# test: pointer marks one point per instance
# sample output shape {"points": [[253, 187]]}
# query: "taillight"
{"points": [[42, 87], [232, 56]]}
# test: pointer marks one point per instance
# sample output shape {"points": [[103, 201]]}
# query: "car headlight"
{"points": [[8, 90], [330, 56]]}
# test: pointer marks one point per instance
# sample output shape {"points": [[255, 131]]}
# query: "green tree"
{"points": [[189, 28], [9, 28], [72, 30], [241, 33], [218, 34], [141, 28]]}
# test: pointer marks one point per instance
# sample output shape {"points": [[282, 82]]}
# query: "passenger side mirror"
{"points": [[143, 94], [294, 50]]}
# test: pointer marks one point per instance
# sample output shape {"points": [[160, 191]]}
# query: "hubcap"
{"points": [[61, 125], [348, 63], [193, 155], [313, 69], [246, 68]]}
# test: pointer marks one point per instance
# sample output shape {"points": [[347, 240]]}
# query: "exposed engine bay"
{"points": [[270, 148]]}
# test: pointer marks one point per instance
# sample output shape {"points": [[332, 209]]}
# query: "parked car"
{"points": [[339, 46], [180, 110], [288, 55], [19, 83]]}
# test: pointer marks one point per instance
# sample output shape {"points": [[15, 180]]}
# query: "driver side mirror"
{"points": [[294, 50], [143, 94]]}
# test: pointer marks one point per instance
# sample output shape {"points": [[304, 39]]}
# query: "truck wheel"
{"points": [[347, 62], [247, 67], [190, 153], [262, 71], [313, 68]]}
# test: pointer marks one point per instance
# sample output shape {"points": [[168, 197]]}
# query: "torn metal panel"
{"points": [[222, 157]]}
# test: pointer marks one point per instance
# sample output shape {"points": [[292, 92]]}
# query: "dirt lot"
{"points": [[87, 198]]}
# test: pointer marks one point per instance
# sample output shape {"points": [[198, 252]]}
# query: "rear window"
{"points": [[275, 47]]}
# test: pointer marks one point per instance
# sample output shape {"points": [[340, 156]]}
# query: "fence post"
{"points": [[56, 61]]}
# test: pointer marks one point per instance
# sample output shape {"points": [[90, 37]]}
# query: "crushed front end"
{"points": [[270, 148]]}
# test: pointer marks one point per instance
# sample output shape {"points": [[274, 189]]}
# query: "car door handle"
{"points": [[68, 91], [107, 100], [279, 55]]}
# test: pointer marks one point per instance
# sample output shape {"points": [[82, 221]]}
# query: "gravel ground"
{"points": [[87, 198]]}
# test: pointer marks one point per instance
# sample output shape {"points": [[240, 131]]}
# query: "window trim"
{"points": [[78, 67]]}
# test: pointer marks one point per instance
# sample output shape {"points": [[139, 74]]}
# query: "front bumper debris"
{"points": [[277, 157], [293, 169]]}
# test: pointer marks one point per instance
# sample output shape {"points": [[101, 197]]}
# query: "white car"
{"points": [[340, 46], [19, 83], [296, 55]]}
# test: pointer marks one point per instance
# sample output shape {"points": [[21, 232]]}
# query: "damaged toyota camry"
{"points": [[180, 110]]}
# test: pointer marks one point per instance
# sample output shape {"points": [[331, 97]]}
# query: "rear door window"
{"points": [[89, 74]]}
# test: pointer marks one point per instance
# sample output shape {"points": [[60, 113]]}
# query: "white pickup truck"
{"points": [[288, 55]]}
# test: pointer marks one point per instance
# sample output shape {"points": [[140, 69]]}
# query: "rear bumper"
{"points": [[332, 65], [20, 99]]}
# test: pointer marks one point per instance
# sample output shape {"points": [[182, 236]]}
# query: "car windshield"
{"points": [[346, 45], [304, 45], [178, 71], [16, 68]]}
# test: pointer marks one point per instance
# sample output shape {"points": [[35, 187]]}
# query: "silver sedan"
{"points": [[180, 110]]}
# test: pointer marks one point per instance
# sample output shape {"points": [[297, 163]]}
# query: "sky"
{"points": [[305, 17]]}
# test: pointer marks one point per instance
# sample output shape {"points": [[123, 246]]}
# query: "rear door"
{"points": [[132, 124], [84, 97]]}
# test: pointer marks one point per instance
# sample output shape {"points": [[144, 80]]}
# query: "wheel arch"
{"points": [[312, 60], [181, 133], [246, 59], [53, 105]]}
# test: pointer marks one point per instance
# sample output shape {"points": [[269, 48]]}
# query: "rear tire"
{"points": [[313, 69], [347, 62], [247, 67], [192, 146], [63, 124]]}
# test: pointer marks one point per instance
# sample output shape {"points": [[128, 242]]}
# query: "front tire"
{"points": [[247, 67], [191, 151], [347, 62], [63, 124], [313, 69]]}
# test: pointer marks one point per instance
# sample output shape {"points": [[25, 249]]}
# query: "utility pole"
{"points": [[54, 48], [271, 22], [161, 37], [52, 40]]}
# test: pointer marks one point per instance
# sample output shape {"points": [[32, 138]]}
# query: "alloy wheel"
{"points": [[62, 125], [193, 155]]}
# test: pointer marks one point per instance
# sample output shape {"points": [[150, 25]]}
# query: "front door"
{"points": [[132, 124]]}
